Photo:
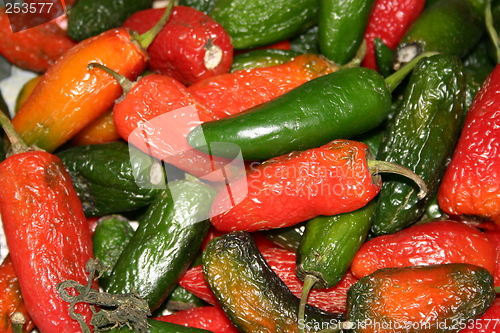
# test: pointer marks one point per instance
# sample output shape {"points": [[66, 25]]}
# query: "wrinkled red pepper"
{"points": [[11, 300], [206, 317], [437, 242], [389, 20], [35, 49], [192, 46], [283, 263], [46, 228], [470, 184], [299, 186], [494, 237]]}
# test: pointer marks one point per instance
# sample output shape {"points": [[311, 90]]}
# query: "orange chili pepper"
{"points": [[69, 96], [101, 130]]}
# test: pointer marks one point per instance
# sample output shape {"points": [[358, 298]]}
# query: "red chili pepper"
{"points": [[206, 317], [191, 46], [35, 49], [488, 322], [283, 264], [47, 231], [494, 238], [222, 94], [470, 183], [285, 190], [11, 300], [389, 20], [437, 242]]}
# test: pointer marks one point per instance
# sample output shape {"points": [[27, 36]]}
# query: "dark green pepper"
{"points": [[341, 27], [351, 101], [253, 23], [451, 27], [91, 17], [109, 240], [167, 240], [251, 294], [436, 298], [421, 136], [329, 244], [306, 42], [288, 237], [103, 176], [261, 58]]}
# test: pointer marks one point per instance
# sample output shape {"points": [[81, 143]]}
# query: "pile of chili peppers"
{"points": [[327, 234]]}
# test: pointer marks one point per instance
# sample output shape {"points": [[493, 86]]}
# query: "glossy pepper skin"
{"points": [[191, 46], [470, 183], [35, 49], [389, 20], [210, 318], [44, 222], [434, 298], [298, 186], [222, 94], [69, 96], [11, 300], [436, 242]]}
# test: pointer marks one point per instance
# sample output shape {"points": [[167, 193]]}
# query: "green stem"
{"points": [[18, 321], [358, 58], [17, 144], [397, 77], [491, 30], [309, 282], [497, 289], [377, 167], [147, 38], [125, 83]]}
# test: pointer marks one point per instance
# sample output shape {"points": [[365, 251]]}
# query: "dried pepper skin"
{"points": [[192, 46], [436, 242], [435, 298], [44, 222], [389, 20], [10, 299], [35, 49], [250, 293], [69, 96], [470, 183], [329, 180]]}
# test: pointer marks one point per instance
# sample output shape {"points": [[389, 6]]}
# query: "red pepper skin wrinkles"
{"points": [[298, 186], [437, 242], [180, 49], [44, 222], [470, 183]]}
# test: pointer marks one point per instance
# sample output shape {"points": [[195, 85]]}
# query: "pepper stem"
{"points": [[358, 57], [491, 29], [397, 77], [147, 38], [18, 321], [125, 83], [377, 167], [17, 144], [309, 282]]}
